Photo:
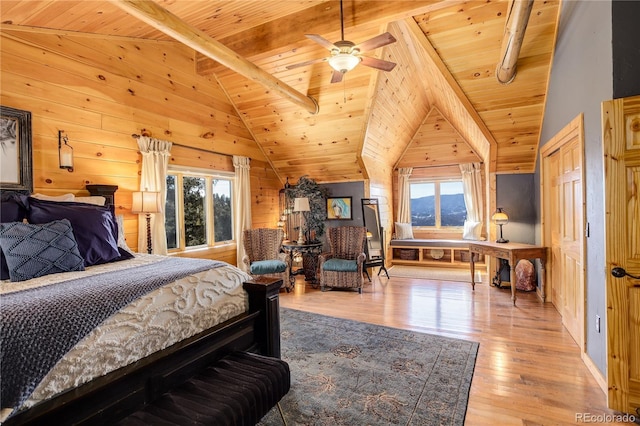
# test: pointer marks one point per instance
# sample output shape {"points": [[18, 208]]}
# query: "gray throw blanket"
{"points": [[40, 325]]}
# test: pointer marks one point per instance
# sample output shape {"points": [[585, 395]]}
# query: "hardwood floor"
{"points": [[528, 370]]}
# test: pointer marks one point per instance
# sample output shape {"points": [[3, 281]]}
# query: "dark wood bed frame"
{"points": [[109, 398]]}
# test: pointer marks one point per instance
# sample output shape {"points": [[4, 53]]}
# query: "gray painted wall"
{"points": [[581, 79], [355, 190], [516, 195]]}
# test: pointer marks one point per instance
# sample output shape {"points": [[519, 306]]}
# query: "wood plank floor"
{"points": [[528, 370]]}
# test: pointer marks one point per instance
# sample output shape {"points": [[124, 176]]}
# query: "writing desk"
{"points": [[513, 252]]}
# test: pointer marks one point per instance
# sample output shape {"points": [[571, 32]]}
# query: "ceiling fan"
{"points": [[345, 54]]}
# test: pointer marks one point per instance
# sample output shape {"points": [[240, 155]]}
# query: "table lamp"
{"points": [[146, 202], [500, 218], [301, 205]]}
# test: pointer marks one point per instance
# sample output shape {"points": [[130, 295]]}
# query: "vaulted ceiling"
{"points": [[441, 104]]}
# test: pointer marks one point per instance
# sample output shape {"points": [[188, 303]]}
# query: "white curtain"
{"points": [[472, 187], [242, 205], [155, 160], [404, 195]]}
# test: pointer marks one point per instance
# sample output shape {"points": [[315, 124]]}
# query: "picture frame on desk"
{"points": [[16, 171], [339, 208]]}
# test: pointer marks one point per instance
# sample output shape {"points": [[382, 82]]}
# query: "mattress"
{"points": [[168, 314]]}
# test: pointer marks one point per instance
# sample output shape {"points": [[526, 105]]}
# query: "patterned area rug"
{"points": [[440, 274], [351, 373]]}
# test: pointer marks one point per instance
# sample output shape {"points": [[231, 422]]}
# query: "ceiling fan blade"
{"points": [[305, 63], [336, 77], [321, 41], [374, 43], [377, 63]]}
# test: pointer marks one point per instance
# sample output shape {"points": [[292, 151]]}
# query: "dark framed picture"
{"points": [[339, 208], [16, 171]]}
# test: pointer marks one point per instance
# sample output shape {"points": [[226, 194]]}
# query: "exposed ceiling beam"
{"points": [[163, 20], [517, 19], [323, 18]]}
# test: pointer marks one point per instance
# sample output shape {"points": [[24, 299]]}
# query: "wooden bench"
{"points": [[432, 252], [239, 389]]}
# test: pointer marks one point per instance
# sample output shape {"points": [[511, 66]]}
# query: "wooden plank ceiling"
{"points": [[441, 105]]}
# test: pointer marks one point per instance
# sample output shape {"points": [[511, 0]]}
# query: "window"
{"points": [[198, 211], [437, 204]]}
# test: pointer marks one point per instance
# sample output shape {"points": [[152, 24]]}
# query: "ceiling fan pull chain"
{"points": [[344, 89]]}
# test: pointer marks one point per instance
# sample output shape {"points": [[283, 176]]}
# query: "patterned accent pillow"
{"points": [[35, 250]]}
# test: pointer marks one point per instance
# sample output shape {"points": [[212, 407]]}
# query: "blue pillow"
{"points": [[37, 250], [262, 267], [94, 227], [11, 210]]}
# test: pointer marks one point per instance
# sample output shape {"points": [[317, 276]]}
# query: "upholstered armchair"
{"points": [[342, 265], [263, 257]]}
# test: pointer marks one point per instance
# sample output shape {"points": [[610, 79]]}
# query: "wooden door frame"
{"points": [[574, 129]]}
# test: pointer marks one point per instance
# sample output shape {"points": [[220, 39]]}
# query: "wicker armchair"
{"points": [[342, 267], [263, 257]]}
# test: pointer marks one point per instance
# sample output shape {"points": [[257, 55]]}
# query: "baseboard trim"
{"points": [[595, 372]]}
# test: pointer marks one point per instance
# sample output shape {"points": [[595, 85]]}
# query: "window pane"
{"points": [[195, 221], [223, 230], [423, 211], [171, 219], [452, 208]]}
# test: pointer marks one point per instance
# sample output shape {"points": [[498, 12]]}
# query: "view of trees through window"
{"points": [[205, 213], [170, 213], [195, 216], [223, 228], [437, 204]]}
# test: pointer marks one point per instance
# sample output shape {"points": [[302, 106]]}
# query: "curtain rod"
{"points": [[135, 136]]}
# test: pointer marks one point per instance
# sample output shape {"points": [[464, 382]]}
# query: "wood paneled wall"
{"points": [[100, 91]]}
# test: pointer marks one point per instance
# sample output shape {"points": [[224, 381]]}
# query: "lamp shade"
{"points": [[343, 62], [500, 217], [301, 205], [146, 202]]}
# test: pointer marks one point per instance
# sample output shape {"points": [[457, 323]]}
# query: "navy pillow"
{"points": [[36, 250], [94, 226], [11, 210]]}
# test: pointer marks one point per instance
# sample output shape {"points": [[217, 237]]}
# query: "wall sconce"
{"points": [[65, 152], [500, 218], [146, 202]]}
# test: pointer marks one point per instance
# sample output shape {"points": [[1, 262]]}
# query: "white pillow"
{"points": [[122, 243], [98, 200], [404, 231], [472, 230], [65, 197]]}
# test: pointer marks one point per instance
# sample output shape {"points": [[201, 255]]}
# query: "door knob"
{"points": [[619, 272]]}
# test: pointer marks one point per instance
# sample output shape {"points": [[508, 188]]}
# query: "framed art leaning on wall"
{"points": [[339, 208], [16, 172]]}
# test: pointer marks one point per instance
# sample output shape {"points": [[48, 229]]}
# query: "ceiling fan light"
{"points": [[343, 62]]}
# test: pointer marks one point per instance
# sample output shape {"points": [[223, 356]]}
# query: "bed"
{"points": [[93, 331]]}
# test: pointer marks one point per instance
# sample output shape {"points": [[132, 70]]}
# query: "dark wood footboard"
{"points": [[117, 394]]}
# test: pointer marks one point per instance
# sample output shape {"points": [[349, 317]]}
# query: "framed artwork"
{"points": [[16, 171], [339, 208]]}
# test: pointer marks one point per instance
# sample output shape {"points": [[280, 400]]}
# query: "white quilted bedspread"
{"points": [[156, 321]]}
